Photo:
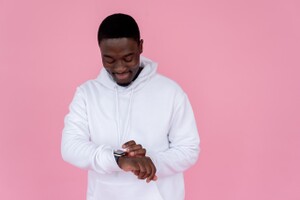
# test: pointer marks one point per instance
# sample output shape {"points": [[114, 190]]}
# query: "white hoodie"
{"points": [[154, 111]]}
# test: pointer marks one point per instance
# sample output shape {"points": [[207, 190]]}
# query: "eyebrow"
{"points": [[107, 56], [127, 55]]}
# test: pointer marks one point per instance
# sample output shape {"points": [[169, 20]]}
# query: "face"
{"points": [[121, 58]]}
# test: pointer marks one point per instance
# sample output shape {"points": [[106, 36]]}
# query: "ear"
{"points": [[141, 46]]}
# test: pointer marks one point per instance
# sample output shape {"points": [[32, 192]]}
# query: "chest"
{"points": [[145, 118]]}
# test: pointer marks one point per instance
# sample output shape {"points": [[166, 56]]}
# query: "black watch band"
{"points": [[118, 154]]}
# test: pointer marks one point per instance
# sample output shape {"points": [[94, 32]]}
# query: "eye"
{"points": [[128, 58], [109, 60]]}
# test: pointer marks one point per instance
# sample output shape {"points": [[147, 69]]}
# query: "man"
{"points": [[130, 107]]}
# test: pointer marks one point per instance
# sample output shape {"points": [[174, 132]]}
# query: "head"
{"points": [[120, 46]]}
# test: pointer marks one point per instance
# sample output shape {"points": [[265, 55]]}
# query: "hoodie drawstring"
{"points": [[122, 135]]}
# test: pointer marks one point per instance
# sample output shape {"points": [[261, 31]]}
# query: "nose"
{"points": [[119, 66]]}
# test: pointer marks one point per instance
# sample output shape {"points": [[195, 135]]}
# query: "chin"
{"points": [[123, 83]]}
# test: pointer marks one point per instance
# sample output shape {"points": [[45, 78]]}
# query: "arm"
{"points": [[184, 141], [76, 146]]}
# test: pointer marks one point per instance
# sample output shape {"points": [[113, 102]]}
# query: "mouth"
{"points": [[122, 76]]}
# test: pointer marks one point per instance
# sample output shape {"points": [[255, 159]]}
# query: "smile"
{"points": [[122, 76]]}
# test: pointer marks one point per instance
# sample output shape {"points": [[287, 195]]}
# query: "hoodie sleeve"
{"points": [[77, 147], [184, 142]]}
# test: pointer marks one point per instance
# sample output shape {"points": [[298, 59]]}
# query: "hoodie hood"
{"points": [[150, 67]]}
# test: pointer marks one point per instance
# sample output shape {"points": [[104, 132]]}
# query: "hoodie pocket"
{"points": [[134, 191]]}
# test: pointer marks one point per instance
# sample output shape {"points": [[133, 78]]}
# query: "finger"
{"points": [[142, 169], [135, 172], [153, 172], [136, 150], [149, 168], [127, 144], [154, 179], [141, 152], [134, 147], [138, 153]]}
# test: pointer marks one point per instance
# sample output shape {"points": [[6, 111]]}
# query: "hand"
{"points": [[133, 149], [142, 167]]}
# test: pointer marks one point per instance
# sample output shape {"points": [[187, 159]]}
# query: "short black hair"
{"points": [[118, 26]]}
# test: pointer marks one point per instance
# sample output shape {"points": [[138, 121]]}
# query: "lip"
{"points": [[122, 76]]}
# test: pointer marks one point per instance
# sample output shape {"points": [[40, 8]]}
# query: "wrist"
{"points": [[119, 154], [121, 161]]}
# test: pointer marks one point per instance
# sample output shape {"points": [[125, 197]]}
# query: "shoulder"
{"points": [[88, 87], [164, 83], [89, 84]]}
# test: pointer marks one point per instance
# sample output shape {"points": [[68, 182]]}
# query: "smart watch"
{"points": [[119, 153]]}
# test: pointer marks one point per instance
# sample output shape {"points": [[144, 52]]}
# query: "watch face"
{"points": [[119, 152]]}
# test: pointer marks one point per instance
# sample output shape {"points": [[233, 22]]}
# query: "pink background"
{"points": [[237, 60]]}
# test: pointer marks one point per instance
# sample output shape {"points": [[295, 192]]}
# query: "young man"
{"points": [[130, 107]]}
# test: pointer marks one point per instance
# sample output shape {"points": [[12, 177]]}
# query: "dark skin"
{"points": [[121, 59], [137, 162]]}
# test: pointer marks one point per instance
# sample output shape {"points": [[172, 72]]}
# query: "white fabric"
{"points": [[153, 111]]}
